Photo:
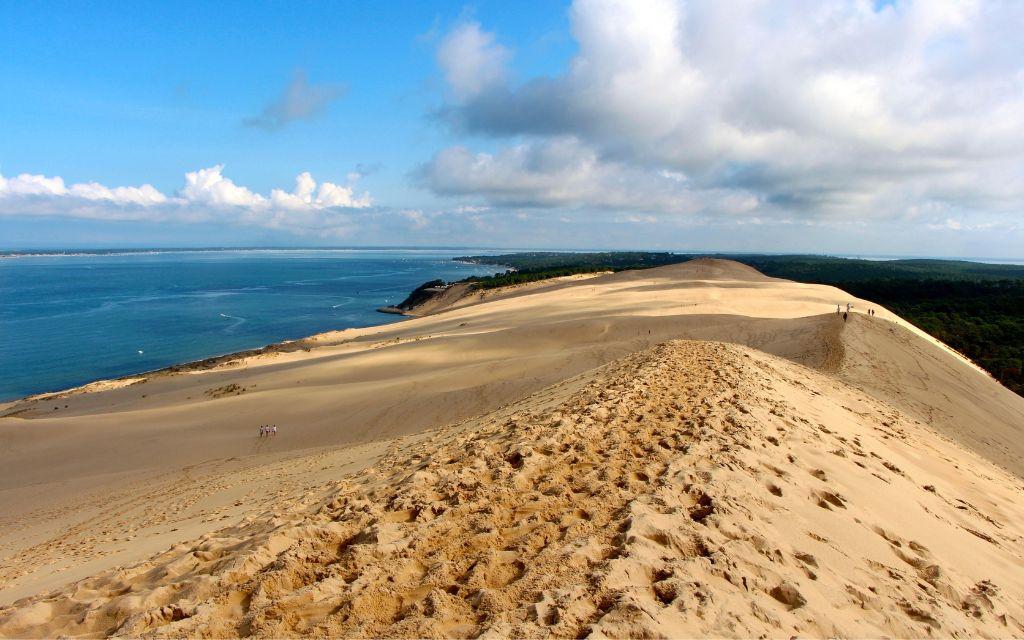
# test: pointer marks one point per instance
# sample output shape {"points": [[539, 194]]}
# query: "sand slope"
{"points": [[692, 489], [918, 376], [94, 480]]}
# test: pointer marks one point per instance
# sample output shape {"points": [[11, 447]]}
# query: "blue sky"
{"points": [[836, 126], [130, 93]]}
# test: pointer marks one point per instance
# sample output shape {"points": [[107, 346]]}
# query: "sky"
{"points": [[851, 127]]}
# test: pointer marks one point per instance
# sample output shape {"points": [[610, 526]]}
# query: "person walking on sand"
{"points": [[274, 431], [845, 315], [837, 309]]}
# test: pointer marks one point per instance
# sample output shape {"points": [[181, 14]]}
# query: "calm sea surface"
{"points": [[68, 320]]}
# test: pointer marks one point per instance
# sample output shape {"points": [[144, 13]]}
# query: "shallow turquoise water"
{"points": [[68, 320]]}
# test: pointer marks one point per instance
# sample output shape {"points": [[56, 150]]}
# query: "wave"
{"points": [[238, 321], [385, 274]]}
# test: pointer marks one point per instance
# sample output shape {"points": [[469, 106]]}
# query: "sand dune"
{"points": [[106, 477], [693, 489]]}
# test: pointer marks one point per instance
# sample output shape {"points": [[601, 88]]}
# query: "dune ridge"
{"points": [[693, 488]]}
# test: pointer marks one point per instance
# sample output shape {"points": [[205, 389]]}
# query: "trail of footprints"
{"points": [[650, 500]]}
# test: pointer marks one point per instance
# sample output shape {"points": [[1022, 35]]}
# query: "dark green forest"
{"points": [[541, 265], [975, 308]]}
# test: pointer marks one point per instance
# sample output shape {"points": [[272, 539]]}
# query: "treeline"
{"points": [[828, 270], [421, 294], [540, 261], [531, 275], [543, 265]]}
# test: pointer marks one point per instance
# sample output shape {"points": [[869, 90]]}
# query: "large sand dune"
{"points": [[113, 476]]}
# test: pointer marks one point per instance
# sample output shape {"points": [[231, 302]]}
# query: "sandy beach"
{"points": [[689, 450]]}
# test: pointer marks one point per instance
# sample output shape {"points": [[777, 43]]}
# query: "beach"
{"points": [[686, 450]]}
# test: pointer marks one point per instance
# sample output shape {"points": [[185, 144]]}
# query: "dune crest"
{"points": [[695, 488]]}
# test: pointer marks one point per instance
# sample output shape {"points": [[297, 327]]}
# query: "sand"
{"points": [[483, 470]]}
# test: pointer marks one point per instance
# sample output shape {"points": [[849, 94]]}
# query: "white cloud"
{"points": [[144, 196], [307, 195], [37, 185], [472, 60], [835, 108], [32, 185], [207, 195], [210, 187]]}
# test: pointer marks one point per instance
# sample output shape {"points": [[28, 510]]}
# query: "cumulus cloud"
{"points": [[472, 60], [299, 101], [308, 195], [206, 196], [210, 187], [36, 185], [831, 108]]}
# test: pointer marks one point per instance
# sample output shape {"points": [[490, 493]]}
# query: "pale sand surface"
{"points": [[694, 489], [121, 473]]}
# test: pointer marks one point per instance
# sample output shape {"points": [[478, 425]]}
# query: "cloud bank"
{"points": [[206, 196], [835, 110]]}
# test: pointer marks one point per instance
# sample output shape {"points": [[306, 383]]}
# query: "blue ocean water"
{"points": [[71, 319]]}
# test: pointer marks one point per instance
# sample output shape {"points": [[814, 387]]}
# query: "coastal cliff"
{"points": [[430, 297]]}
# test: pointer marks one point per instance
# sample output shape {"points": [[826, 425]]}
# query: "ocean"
{"points": [[66, 320]]}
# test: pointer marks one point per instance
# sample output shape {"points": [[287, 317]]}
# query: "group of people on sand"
{"points": [[849, 307], [267, 430]]}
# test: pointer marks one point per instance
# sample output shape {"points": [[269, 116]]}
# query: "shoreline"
{"points": [[305, 343], [202, 364], [190, 366]]}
